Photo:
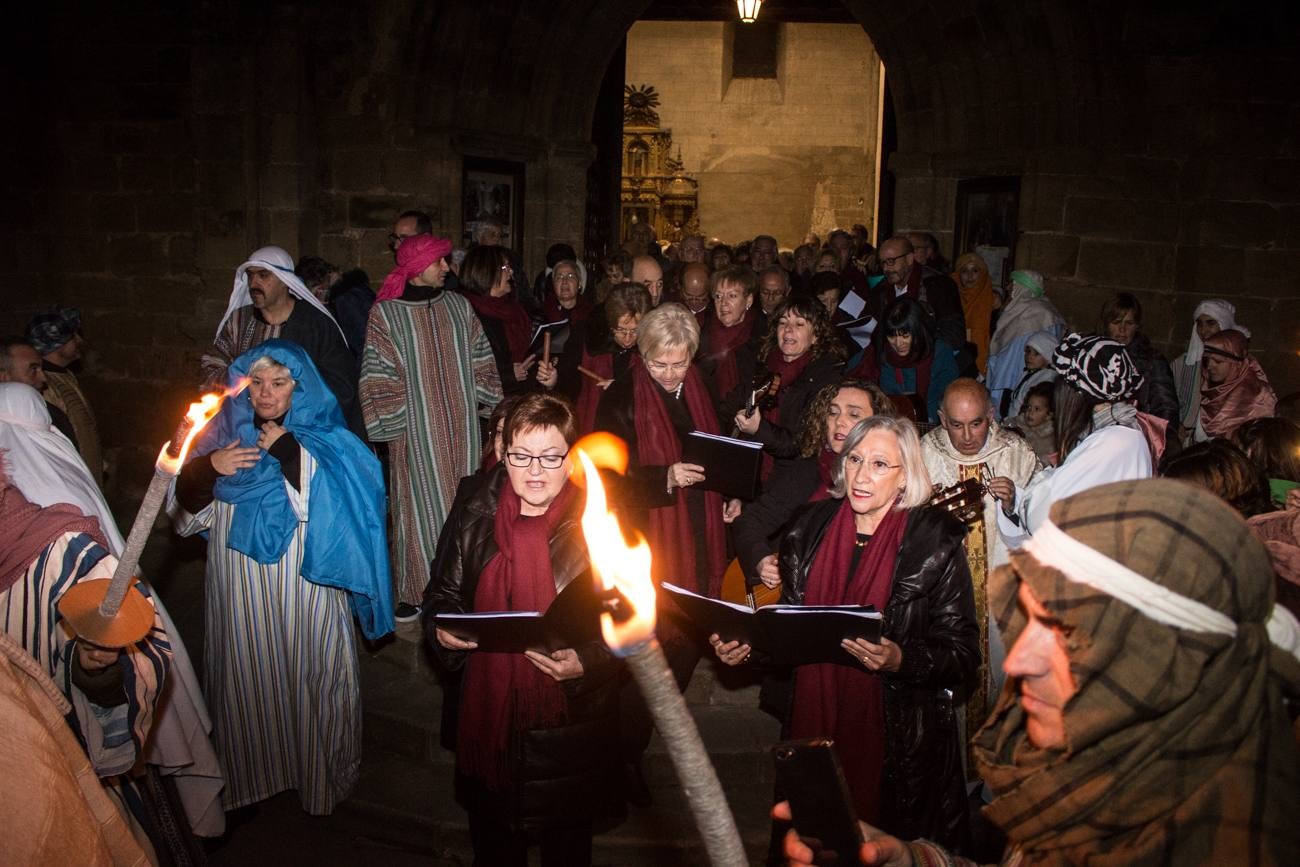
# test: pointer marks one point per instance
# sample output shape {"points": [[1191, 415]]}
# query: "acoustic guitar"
{"points": [[762, 394], [736, 589], [964, 500]]}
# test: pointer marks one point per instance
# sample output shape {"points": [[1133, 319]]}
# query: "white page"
{"points": [[853, 304]]}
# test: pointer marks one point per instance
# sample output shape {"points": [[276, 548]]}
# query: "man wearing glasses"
{"points": [[936, 291]]}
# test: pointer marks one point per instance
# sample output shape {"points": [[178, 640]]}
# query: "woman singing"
{"points": [[889, 707], [536, 746]]}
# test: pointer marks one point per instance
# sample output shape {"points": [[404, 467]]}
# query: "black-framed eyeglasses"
{"points": [[548, 462], [893, 259]]}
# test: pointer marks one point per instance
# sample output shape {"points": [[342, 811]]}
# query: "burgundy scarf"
{"points": [[721, 343], [921, 365], [27, 529], [553, 312], [513, 318], [504, 692], [825, 464], [846, 702], [789, 371], [671, 535], [1245, 394], [589, 393]]}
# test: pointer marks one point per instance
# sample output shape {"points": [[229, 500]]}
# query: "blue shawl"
{"points": [[346, 544]]}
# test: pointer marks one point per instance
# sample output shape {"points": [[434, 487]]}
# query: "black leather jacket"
{"points": [[931, 616], [559, 775]]}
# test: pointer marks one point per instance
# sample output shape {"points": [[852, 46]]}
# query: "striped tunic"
{"points": [[426, 373], [280, 661], [114, 737]]}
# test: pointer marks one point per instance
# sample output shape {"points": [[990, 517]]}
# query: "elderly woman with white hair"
{"points": [[889, 707]]}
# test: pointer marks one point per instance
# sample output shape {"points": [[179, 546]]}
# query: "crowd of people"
{"points": [[394, 456]]}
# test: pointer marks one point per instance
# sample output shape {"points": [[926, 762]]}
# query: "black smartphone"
{"points": [[809, 776]]}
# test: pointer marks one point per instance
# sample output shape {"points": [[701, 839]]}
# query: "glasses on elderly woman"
{"points": [[523, 459], [877, 467], [660, 368]]}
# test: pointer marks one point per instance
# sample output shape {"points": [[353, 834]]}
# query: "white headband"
{"points": [[1052, 547]]}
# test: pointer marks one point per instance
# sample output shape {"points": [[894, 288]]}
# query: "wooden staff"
{"points": [[591, 373], [546, 348]]}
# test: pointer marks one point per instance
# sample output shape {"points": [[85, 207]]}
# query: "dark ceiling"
{"points": [[805, 11]]}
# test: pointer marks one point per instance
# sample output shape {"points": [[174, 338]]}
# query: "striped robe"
{"points": [[426, 373], [114, 738], [280, 661]]}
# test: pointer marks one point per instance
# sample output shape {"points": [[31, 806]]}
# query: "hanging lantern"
{"points": [[749, 10]]}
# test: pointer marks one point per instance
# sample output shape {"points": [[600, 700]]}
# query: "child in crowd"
{"points": [[1036, 422]]}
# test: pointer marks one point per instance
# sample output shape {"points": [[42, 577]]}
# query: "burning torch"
{"points": [[113, 613], [627, 570]]}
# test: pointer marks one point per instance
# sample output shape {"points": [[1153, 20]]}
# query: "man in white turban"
{"points": [[269, 300]]}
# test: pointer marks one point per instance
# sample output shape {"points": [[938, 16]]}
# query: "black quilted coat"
{"points": [[931, 616]]}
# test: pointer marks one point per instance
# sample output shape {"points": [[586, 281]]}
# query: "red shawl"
{"points": [[846, 702], [1244, 395], [553, 312], [825, 465], [721, 343], [671, 535], [27, 529], [589, 393], [504, 692], [513, 318]]}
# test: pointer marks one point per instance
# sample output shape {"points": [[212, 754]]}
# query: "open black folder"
{"points": [[559, 332], [573, 618], [782, 634], [731, 466]]}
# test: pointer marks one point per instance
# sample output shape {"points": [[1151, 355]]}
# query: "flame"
{"points": [[617, 566], [606, 451], [200, 413]]}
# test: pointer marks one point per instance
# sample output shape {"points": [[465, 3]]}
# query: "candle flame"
{"points": [[199, 414], [617, 565]]}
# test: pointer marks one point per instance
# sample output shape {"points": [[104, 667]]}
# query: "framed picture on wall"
{"points": [[493, 190], [986, 223]]}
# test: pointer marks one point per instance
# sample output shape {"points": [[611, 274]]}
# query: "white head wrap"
{"points": [[279, 262], [43, 464], [1044, 343], [1222, 312]]}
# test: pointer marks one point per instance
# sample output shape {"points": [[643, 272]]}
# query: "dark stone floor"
{"points": [[402, 812]]}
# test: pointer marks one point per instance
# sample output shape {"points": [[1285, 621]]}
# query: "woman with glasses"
{"points": [[567, 300], [602, 349], [889, 707], [536, 737], [488, 282], [731, 340]]}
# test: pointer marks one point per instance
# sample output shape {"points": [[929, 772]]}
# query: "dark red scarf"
{"points": [[27, 529], [504, 692], [847, 702], [671, 535], [825, 465], [921, 364], [721, 343], [553, 312], [589, 393], [513, 318], [789, 371]]}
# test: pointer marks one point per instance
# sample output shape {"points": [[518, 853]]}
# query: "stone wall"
{"points": [[1158, 150], [784, 155]]}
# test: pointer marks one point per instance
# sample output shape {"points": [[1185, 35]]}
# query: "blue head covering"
{"points": [[346, 545]]}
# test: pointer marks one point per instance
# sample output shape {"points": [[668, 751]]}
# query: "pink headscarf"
{"points": [[1244, 395], [414, 255]]}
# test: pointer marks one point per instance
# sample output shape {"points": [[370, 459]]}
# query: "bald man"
{"points": [[694, 290], [905, 276], [646, 269], [969, 444]]}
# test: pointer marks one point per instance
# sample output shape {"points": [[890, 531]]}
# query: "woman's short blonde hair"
{"points": [[265, 362], [916, 481], [668, 326]]}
